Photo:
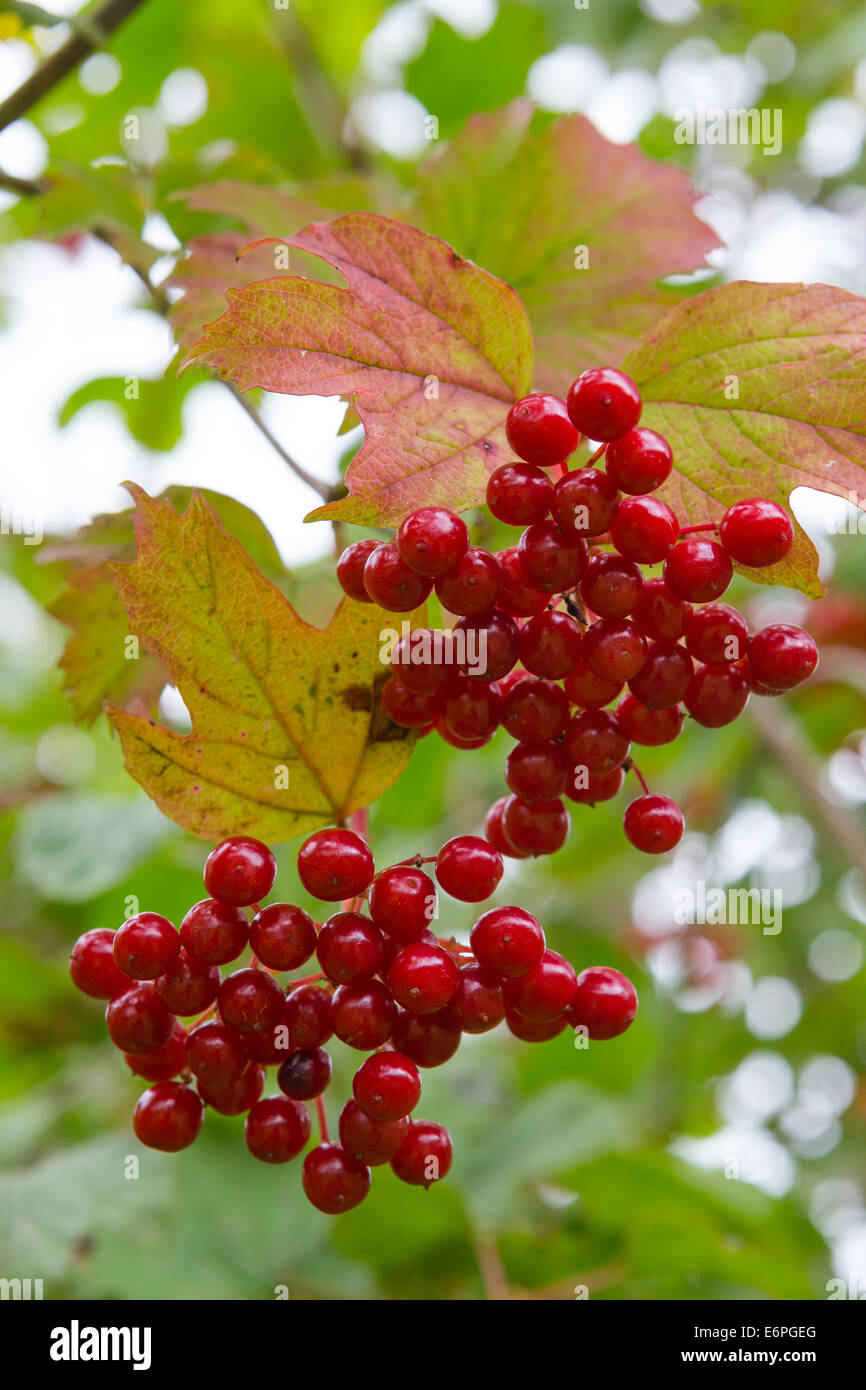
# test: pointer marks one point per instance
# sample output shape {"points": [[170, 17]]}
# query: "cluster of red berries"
{"points": [[386, 986], [566, 619]]}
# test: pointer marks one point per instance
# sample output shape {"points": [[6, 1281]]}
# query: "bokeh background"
{"points": [[716, 1151]]}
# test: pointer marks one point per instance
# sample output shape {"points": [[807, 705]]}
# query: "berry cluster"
{"points": [[386, 986], [566, 619]]}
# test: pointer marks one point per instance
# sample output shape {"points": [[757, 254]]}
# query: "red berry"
{"points": [[269, 1048], [717, 695], [283, 937], [653, 823], [307, 1016], [698, 570], [138, 1021], [518, 493], [535, 827], [239, 1096], [538, 430], [614, 649], [595, 739], [92, 966], [491, 645], [214, 932], [432, 540], [456, 740], [612, 586], [660, 613], [145, 945], [551, 559], [585, 502], [550, 644], [251, 1001], [276, 1129], [387, 1086], [782, 656], [363, 1014], [391, 583], [477, 1006], [469, 868], [471, 708], [545, 992], [507, 940], [514, 596], [335, 864], [350, 947], [240, 871], [189, 985], [427, 1039], [648, 726], [716, 633], [403, 902], [639, 461], [537, 771], [588, 788], [409, 708], [168, 1117], [424, 660], [584, 688], [425, 1155], [333, 1180], [535, 709], [305, 1073], [423, 978], [471, 586], [530, 1031], [216, 1054], [495, 831], [644, 529], [368, 1140], [350, 569], [605, 1002], [664, 677], [164, 1062], [756, 532], [603, 403]]}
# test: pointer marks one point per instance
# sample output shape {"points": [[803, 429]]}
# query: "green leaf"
{"points": [[760, 389], [522, 200], [430, 349], [152, 409], [288, 730]]}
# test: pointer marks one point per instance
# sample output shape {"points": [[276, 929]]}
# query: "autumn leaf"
{"points": [[760, 389], [523, 200], [430, 350], [287, 728]]}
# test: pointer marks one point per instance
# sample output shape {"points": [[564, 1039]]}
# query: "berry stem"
{"points": [[201, 1018], [307, 980], [599, 453], [631, 766], [324, 1135], [702, 526]]}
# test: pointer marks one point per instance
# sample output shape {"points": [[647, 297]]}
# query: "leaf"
{"points": [[797, 356], [521, 200], [153, 415], [430, 349], [267, 693]]}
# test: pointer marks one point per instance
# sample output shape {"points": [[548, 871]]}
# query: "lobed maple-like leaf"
{"points": [[288, 732], [430, 350], [759, 388]]}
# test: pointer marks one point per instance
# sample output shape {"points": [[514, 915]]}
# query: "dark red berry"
{"points": [[138, 1021], [585, 502], [145, 945], [782, 656], [471, 586], [588, 788], [508, 941], [491, 645], [350, 947], [164, 1062], [276, 1129], [305, 1074], [423, 978], [283, 937], [363, 1014], [216, 1054], [596, 740], [605, 1002], [531, 1031], [469, 868], [659, 612], [333, 1180], [535, 709], [214, 932], [391, 583], [544, 992], [239, 1096], [424, 660], [535, 827], [403, 902], [428, 1040], [189, 985], [550, 644], [653, 823], [168, 1117], [698, 570], [537, 771], [612, 585], [368, 1140], [584, 688], [603, 403], [614, 649], [335, 864], [387, 1086], [539, 430], [308, 1016], [409, 708], [519, 493], [644, 529], [664, 677], [477, 1006], [756, 532], [456, 740], [639, 461], [495, 832], [717, 695], [251, 1001], [648, 726], [350, 569], [716, 633], [92, 966], [432, 540], [425, 1155], [514, 596], [551, 559], [240, 871]]}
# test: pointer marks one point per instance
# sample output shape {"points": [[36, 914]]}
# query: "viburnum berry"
{"points": [[492, 645], [239, 1096], [92, 966], [423, 978], [551, 559], [648, 726], [189, 985], [214, 932], [363, 1014], [411, 709], [659, 612], [470, 587], [471, 708], [426, 1154], [717, 695], [276, 1130], [698, 570], [350, 569], [584, 688], [514, 595], [350, 947], [240, 871], [137, 1020], [469, 868], [539, 430], [391, 583], [282, 937], [537, 771], [429, 1040], [335, 864], [403, 902], [664, 677], [145, 945], [432, 540], [370, 1141], [531, 1031], [305, 1073], [653, 823], [715, 633], [307, 1016], [333, 1180], [544, 992], [477, 1005], [549, 644], [269, 1048], [535, 709], [611, 586], [535, 827], [456, 741], [782, 656], [424, 660], [164, 1062], [251, 1001], [387, 1086], [644, 529], [168, 1116], [614, 649], [519, 493], [216, 1054], [495, 833], [638, 461], [603, 403], [605, 1002], [585, 501], [508, 941], [756, 532], [589, 788], [596, 740]]}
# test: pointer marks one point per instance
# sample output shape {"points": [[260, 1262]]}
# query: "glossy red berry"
{"points": [[584, 688], [251, 1001], [283, 937], [238, 1096], [659, 612], [168, 1116], [92, 966], [717, 695], [595, 740], [469, 868], [387, 1086], [537, 771], [164, 1062], [370, 1141], [490, 645], [333, 1180], [432, 540], [605, 1002], [138, 1021], [305, 1073], [429, 1040], [409, 708], [477, 1005], [531, 1031], [307, 1016], [603, 403], [782, 656], [470, 587], [456, 740], [189, 985], [716, 633], [495, 832], [639, 461], [276, 1129], [551, 559], [544, 992], [585, 502], [535, 709], [664, 677], [612, 585], [363, 1014], [535, 827], [650, 727], [350, 947], [216, 1054], [698, 570], [644, 529], [519, 493], [550, 644], [589, 788], [538, 430], [756, 532], [145, 945], [403, 902], [508, 941], [614, 649], [425, 1155], [423, 978], [391, 583], [653, 823], [240, 871], [424, 660], [350, 569], [514, 596], [335, 864], [214, 932]]}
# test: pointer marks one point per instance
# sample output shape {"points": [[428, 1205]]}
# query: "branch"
{"points": [[59, 64]]}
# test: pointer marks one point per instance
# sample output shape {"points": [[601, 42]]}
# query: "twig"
{"points": [[27, 188], [491, 1269]]}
